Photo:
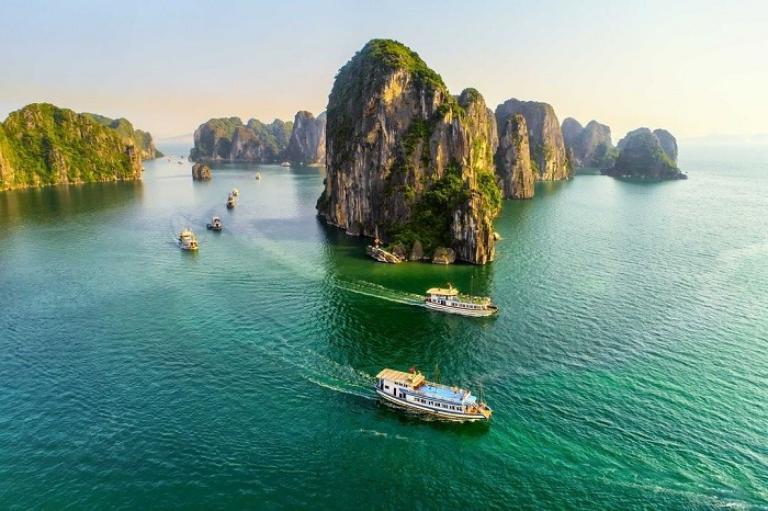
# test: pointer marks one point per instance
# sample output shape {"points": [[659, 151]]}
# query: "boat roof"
{"points": [[413, 379], [444, 291], [445, 393]]}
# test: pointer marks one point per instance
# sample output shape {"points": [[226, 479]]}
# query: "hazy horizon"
{"points": [[692, 68]]}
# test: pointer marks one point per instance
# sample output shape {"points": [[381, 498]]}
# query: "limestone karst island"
{"points": [[396, 255]]}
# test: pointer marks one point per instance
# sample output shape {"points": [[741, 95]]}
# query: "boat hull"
{"points": [[443, 415], [475, 313]]}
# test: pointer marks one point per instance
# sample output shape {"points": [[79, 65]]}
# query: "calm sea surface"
{"points": [[628, 366]]}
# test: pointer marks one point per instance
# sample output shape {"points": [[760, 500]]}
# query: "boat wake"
{"points": [[329, 374], [381, 434], [362, 287], [343, 389]]}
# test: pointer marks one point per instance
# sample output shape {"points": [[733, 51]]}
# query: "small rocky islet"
{"points": [[405, 159], [647, 156]]}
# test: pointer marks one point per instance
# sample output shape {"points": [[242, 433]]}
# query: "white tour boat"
{"points": [[187, 240], [413, 392], [450, 300]]}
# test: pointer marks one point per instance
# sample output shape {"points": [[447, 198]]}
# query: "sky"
{"points": [[697, 68]]}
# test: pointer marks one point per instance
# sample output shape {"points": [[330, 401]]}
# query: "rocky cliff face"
{"points": [[142, 140], [668, 143], [571, 129], [42, 144], [513, 159], [228, 139], [643, 157], [407, 158], [307, 143], [589, 146], [548, 155]]}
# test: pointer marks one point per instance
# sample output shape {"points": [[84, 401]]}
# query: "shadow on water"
{"points": [[546, 188], [346, 259], [53, 203]]}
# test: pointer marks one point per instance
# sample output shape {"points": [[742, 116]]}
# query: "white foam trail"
{"points": [[383, 293], [339, 389]]}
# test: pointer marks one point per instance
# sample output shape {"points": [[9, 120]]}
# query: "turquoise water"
{"points": [[628, 366]]}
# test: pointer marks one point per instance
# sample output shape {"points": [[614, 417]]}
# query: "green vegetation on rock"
{"points": [[407, 159], [395, 55], [228, 139], [364, 71], [141, 139], [643, 157], [431, 219], [42, 144]]}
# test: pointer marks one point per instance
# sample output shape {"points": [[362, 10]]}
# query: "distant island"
{"points": [[589, 146], [42, 144], [307, 143], [229, 140], [647, 155]]}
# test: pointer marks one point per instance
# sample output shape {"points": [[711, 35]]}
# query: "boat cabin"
{"points": [[398, 383]]}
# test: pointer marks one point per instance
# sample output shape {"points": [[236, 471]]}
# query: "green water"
{"points": [[628, 366]]}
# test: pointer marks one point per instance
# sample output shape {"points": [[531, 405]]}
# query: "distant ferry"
{"points": [[412, 391], [187, 240], [450, 300]]}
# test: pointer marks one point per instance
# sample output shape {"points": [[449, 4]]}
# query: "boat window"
{"points": [[386, 386]]}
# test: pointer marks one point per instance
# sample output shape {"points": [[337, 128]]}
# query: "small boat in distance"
{"points": [[450, 300], [187, 240], [258, 176], [215, 225], [412, 391], [285, 164], [231, 201]]}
